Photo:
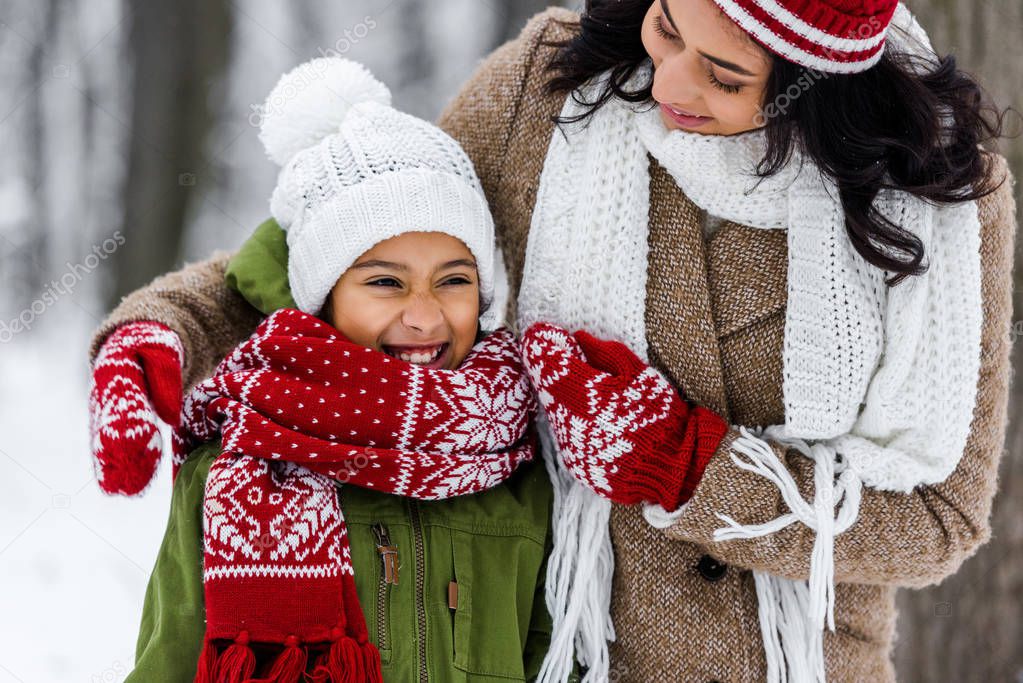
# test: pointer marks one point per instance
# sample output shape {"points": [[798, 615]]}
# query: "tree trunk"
{"points": [[416, 62], [177, 50], [970, 627], [33, 263]]}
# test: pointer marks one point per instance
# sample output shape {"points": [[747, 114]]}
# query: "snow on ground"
{"points": [[74, 562]]}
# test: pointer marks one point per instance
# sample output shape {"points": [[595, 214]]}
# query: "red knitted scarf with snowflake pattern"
{"points": [[298, 409]]}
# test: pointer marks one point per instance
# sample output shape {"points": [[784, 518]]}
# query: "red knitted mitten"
{"points": [[136, 378], [620, 427]]}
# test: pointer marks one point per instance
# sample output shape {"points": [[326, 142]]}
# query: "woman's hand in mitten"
{"points": [[136, 378], [620, 427]]}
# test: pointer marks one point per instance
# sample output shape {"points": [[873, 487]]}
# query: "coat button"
{"points": [[711, 569]]}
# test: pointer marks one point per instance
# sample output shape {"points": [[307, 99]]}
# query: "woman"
{"points": [[718, 281]]}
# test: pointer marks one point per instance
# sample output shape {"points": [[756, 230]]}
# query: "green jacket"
{"points": [[492, 546]]}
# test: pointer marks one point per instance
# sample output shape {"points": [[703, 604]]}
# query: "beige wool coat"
{"points": [[684, 607]]}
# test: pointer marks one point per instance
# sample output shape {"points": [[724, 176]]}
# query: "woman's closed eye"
{"points": [[662, 31], [730, 88]]}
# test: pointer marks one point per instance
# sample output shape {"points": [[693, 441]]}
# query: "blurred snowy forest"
{"points": [[129, 147]]}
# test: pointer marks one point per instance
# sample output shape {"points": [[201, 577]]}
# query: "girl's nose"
{"points": [[423, 314]]}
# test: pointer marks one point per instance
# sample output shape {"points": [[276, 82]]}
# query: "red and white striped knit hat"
{"points": [[832, 36]]}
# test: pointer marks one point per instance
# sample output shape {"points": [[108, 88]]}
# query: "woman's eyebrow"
{"points": [[731, 66], [727, 65], [664, 8]]}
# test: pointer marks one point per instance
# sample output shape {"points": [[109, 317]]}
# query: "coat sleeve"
{"points": [[910, 539], [210, 318], [173, 614]]}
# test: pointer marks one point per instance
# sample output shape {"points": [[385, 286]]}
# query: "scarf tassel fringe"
{"points": [[235, 664], [346, 661]]}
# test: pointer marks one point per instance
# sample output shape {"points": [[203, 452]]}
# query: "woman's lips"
{"points": [[685, 119]]}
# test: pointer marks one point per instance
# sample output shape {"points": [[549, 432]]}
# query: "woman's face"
{"points": [[415, 297], [709, 76]]}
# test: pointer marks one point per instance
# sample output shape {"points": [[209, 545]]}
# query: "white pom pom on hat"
{"points": [[310, 102]]}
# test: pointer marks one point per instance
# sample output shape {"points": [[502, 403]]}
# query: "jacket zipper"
{"points": [[388, 575], [417, 535]]}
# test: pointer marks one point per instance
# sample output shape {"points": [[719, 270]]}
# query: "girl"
{"points": [[355, 495]]}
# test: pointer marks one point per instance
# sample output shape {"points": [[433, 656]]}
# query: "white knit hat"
{"points": [[356, 172]]}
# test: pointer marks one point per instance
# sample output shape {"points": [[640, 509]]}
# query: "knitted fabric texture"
{"points": [[298, 408], [715, 317], [884, 379], [369, 173], [831, 36], [136, 381], [621, 427]]}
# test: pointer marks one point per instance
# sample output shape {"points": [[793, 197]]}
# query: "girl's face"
{"points": [[709, 76], [415, 297]]}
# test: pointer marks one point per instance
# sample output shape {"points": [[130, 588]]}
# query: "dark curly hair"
{"points": [[886, 127]]}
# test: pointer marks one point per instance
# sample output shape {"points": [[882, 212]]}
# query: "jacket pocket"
{"points": [[496, 577]]}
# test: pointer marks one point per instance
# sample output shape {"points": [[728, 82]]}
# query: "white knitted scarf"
{"points": [[879, 383]]}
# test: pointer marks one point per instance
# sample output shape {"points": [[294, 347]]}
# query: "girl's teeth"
{"points": [[420, 358]]}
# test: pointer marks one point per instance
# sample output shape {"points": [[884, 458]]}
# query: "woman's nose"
{"points": [[675, 81]]}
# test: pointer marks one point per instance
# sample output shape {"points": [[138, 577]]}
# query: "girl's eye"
{"points": [[661, 31], [384, 282], [458, 281], [729, 88]]}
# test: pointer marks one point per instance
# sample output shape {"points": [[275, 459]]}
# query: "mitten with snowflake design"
{"points": [[621, 428], [136, 380]]}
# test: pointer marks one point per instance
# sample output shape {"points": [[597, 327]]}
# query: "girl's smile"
{"points": [[432, 356]]}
